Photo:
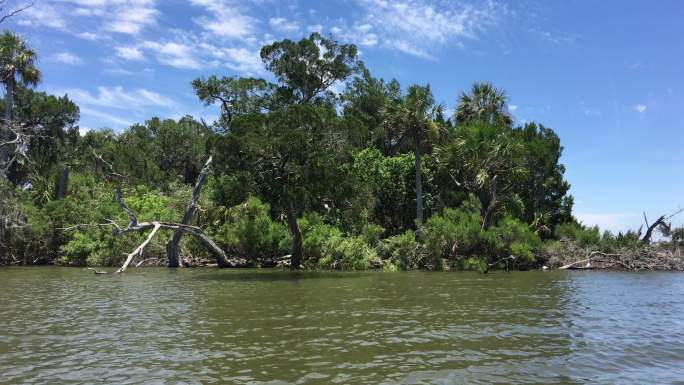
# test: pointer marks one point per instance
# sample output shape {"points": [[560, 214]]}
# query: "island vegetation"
{"points": [[321, 165]]}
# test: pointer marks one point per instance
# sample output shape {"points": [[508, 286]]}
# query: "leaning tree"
{"points": [[179, 229]]}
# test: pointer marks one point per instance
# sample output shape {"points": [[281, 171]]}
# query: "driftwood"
{"points": [[587, 262], [656, 257]]}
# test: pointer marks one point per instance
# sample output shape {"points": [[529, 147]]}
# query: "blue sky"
{"points": [[606, 75]]}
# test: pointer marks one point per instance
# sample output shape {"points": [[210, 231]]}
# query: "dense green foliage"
{"points": [[373, 177]]}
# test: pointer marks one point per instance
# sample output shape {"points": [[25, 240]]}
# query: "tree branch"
{"points": [[17, 11]]}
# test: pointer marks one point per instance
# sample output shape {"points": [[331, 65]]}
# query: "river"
{"points": [[153, 325]]}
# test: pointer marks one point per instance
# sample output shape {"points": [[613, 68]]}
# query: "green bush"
{"points": [[401, 251], [513, 237], [372, 233], [249, 231], [347, 253], [454, 233], [473, 264], [326, 247], [586, 236], [316, 234]]}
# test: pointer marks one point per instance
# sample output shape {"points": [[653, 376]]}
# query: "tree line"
{"points": [[375, 176]]}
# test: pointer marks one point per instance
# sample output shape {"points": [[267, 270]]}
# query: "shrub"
{"points": [[401, 251], [249, 231], [372, 233], [473, 264], [456, 232], [316, 234], [347, 253], [513, 237], [586, 236]]}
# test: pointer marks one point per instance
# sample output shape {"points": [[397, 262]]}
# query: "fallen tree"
{"points": [[173, 245]]}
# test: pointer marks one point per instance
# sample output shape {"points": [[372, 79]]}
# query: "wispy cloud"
{"points": [[283, 25], [174, 54], [67, 58], [103, 116], [118, 98], [128, 17], [418, 27], [44, 15], [641, 108], [129, 53], [227, 19]]}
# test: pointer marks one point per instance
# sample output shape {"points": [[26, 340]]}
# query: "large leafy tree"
{"points": [[483, 102], [414, 117], [236, 96], [308, 68], [543, 188], [53, 120], [286, 134], [17, 67], [365, 99]]}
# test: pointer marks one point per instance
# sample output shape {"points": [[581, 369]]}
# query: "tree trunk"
{"points": [[173, 245], [419, 183], [5, 133], [63, 185], [649, 230], [296, 259], [489, 210], [9, 97]]}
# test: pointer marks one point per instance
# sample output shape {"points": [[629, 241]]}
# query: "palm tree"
{"points": [[482, 159], [483, 102], [17, 65], [414, 117]]}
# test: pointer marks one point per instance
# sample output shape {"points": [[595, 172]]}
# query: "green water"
{"points": [[62, 325]]}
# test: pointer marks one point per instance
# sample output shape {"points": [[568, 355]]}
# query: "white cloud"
{"points": [[555, 38], [640, 108], [85, 111], [42, 14], [239, 59], [174, 54], [315, 28], [416, 27], [119, 16], [228, 19], [89, 36], [129, 53], [118, 98], [67, 58], [512, 107], [283, 25]]}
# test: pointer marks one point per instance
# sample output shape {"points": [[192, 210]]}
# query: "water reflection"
{"points": [[265, 327]]}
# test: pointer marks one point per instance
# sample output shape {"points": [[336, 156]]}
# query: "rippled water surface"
{"points": [[61, 325]]}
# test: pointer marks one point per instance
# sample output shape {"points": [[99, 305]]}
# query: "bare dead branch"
{"points": [[659, 222], [126, 209], [16, 11]]}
